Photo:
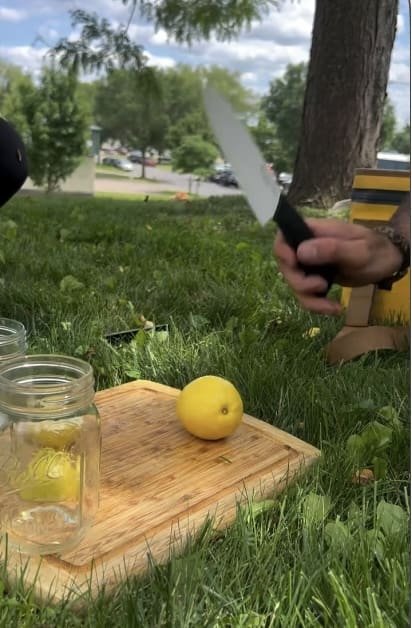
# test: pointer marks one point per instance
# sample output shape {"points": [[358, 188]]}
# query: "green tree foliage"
{"points": [[182, 89], [188, 20], [86, 97], [15, 89], [230, 85], [192, 123], [99, 46], [194, 155], [265, 135], [393, 138], [56, 129], [388, 127], [175, 108], [283, 107], [191, 20], [129, 110], [402, 140]]}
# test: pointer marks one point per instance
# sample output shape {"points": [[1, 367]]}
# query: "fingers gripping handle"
{"points": [[295, 230]]}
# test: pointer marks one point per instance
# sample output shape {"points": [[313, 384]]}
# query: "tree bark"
{"points": [[348, 72]]}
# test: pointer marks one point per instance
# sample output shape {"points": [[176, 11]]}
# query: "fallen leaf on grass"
{"points": [[363, 477], [337, 536], [391, 518], [391, 417], [311, 333], [315, 508], [70, 284], [253, 509]]}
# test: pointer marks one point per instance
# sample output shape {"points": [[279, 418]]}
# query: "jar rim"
{"points": [[81, 368], [35, 387], [15, 328]]}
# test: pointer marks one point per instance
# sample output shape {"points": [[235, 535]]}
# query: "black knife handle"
{"points": [[295, 230]]}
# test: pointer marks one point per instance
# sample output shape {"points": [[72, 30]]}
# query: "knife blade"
{"points": [[258, 184]]}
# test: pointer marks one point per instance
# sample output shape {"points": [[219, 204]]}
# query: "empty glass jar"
{"points": [[49, 452], [12, 339]]}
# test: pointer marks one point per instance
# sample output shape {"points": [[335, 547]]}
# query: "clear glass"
{"points": [[12, 339], [49, 452]]}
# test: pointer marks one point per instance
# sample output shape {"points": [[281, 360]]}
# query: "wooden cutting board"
{"points": [[159, 484]]}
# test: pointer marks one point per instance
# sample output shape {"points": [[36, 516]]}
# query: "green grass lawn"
{"points": [[326, 552]]}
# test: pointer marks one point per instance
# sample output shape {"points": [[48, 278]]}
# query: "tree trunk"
{"points": [[345, 94]]}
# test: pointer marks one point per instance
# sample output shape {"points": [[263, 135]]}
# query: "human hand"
{"points": [[361, 255]]}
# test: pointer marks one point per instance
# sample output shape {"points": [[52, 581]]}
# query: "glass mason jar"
{"points": [[49, 452], [12, 339]]}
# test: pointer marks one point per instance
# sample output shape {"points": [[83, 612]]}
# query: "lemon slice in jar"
{"points": [[56, 434], [50, 476]]}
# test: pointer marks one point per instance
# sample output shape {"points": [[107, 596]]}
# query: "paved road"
{"points": [[161, 180]]}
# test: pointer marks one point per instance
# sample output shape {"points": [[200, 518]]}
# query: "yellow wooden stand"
{"points": [[370, 312]]}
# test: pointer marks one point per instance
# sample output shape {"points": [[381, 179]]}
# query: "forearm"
{"points": [[401, 219]]}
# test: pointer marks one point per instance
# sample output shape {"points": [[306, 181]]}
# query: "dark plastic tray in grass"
{"points": [[119, 337]]}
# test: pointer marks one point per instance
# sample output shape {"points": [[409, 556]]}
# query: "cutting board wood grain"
{"points": [[159, 485]]}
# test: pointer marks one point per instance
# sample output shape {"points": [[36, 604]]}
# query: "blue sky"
{"points": [[28, 27]]}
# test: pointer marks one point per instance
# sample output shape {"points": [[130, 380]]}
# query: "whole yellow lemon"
{"points": [[210, 407], [50, 476]]}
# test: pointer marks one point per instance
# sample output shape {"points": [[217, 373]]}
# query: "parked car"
{"points": [[223, 167], [214, 177], [220, 173], [226, 178], [124, 164], [118, 162], [150, 162], [109, 161], [136, 158]]}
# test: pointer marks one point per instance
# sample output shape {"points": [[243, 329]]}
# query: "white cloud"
{"points": [[401, 54], [160, 62], [399, 73], [401, 98], [291, 23], [160, 38], [257, 61], [28, 58], [139, 33], [8, 14], [48, 34], [248, 77]]}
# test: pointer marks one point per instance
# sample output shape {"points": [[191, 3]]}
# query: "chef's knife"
{"points": [[257, 182]]}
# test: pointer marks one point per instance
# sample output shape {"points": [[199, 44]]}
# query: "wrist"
{"points": [[396, 256]]}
